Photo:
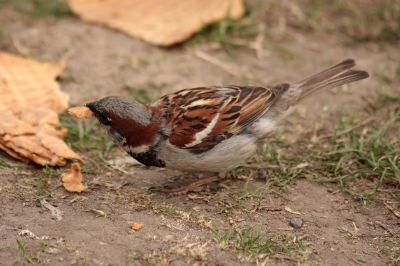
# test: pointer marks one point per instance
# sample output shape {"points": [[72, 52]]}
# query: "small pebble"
{"points": [[296, 222], [262, 174]]}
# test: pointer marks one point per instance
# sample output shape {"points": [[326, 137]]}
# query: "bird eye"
{"points": [[104, 119]]}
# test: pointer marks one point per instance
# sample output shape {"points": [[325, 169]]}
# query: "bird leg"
{"points": [[190, 187]]}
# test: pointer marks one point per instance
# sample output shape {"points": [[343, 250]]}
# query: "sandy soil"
{"points": [[99, 62]]}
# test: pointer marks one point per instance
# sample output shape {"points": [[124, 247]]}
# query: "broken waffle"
{"points": [[30, 100], [159, 22]]}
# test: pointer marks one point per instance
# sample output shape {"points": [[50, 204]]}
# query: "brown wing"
{"points": [[203, 117]]}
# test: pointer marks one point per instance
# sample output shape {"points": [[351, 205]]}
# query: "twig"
{"points": [[384, 227], [258, 43], [17, 44], [366, 121], [55, 213], [263, 262], [119, 169], [261, 166], [288, 209], [231, 69], [236, 71], [395, 212]]}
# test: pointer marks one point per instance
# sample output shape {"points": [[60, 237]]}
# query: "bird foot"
{"points": [[195, 187]]}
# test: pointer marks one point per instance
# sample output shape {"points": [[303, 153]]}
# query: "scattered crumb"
{"points": [[136, 226], [81, 112], [73, 179]]}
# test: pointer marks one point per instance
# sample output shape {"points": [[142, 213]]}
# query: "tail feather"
{"points": [[330, 78], [333, 70]]}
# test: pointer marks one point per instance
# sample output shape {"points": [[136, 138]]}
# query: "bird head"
{"points": [[129, 123]]}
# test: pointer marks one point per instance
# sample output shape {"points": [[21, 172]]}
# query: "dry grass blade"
{"points": [[237, 71], [384, 227], [288, 209], [55, 212], [395, 212]]}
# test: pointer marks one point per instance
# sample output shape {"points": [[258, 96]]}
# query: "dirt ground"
{"points": [[337, 229]]}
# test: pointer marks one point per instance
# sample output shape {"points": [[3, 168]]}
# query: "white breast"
{"points": [[225, 156]]}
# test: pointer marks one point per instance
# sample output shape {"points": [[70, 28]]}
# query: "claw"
{"points": [[173, 192]]}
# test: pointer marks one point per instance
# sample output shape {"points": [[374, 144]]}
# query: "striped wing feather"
{"points": [[203, 117]]}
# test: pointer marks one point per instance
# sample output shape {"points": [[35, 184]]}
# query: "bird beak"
{"points": [[92, 106]]}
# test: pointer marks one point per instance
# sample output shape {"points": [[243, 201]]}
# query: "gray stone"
{"points": [[296, 222]]}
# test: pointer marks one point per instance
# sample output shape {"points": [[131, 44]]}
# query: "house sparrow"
{"points": [[212, 129]]}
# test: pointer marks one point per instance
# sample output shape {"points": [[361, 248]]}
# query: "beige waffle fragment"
{"points": [[28, 83], [159, 22], [30, 100], [81, 112], [73, 179]]}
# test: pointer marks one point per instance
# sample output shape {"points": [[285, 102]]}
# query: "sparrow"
{"points": [[209, 129]]}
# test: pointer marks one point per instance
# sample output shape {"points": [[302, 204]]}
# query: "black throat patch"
{"points": [[148, 158]]}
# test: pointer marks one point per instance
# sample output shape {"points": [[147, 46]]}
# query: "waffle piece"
{"points": [[159, 22], [30, 100]]}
